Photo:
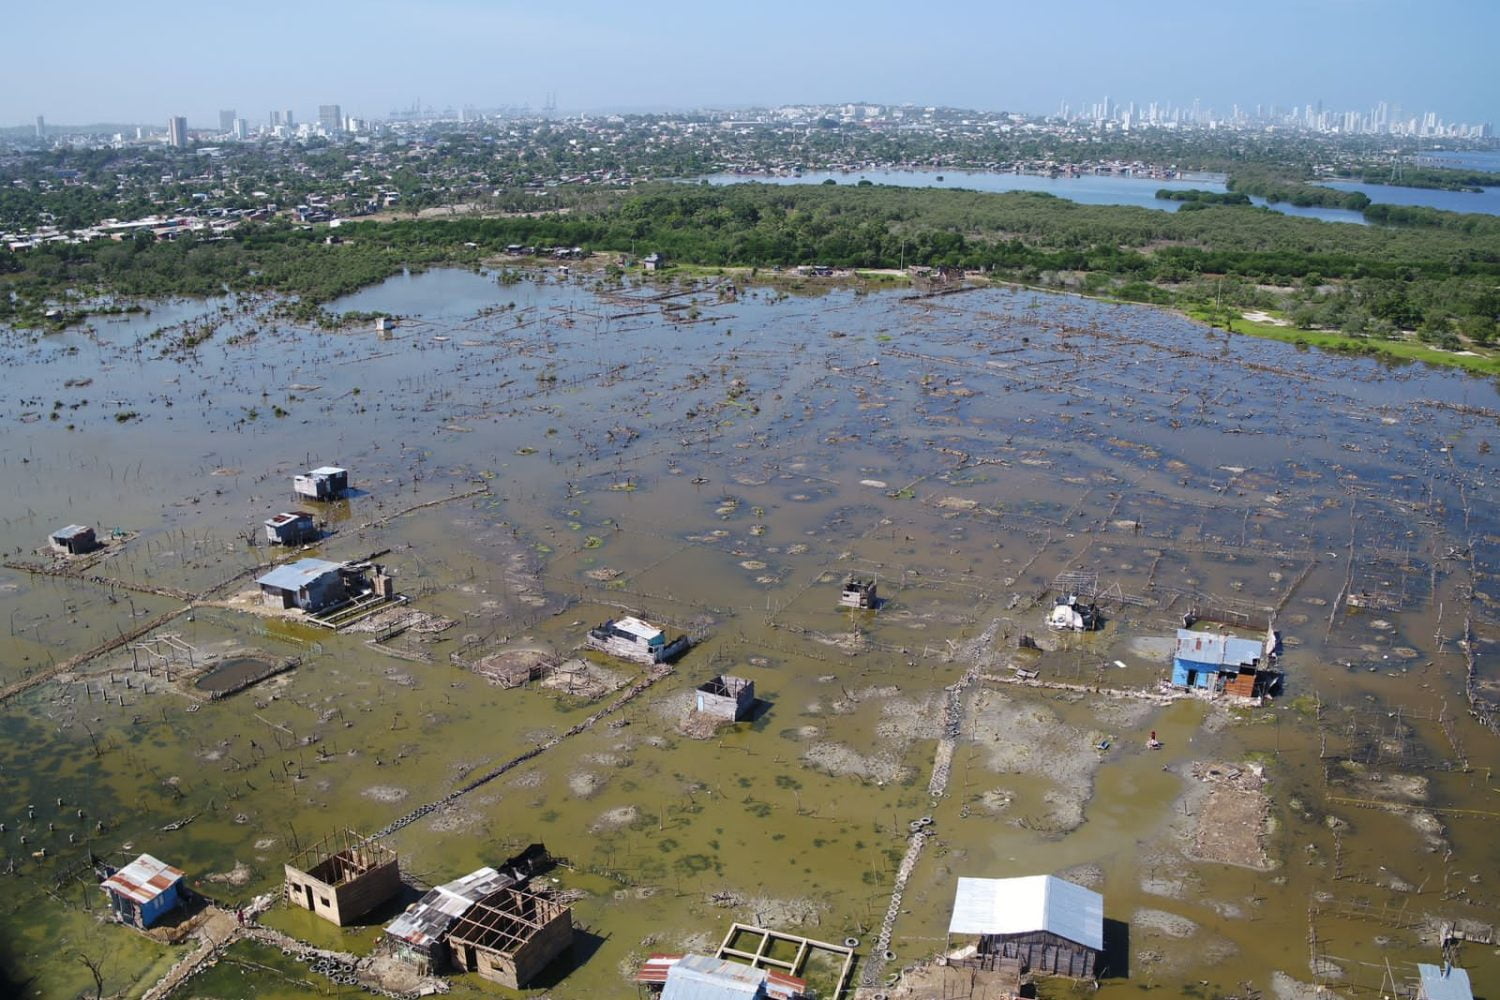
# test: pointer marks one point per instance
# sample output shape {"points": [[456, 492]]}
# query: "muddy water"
{"points": [[720, 465]]}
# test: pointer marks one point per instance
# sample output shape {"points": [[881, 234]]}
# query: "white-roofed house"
{"points": [[1050, 926]]}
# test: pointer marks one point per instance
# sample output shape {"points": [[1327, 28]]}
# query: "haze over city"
{"points": [[112, 63]]}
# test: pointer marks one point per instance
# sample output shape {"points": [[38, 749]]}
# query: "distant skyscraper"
{"points": [[331, 118], [241, 129], [275, 118], [177, 134], [289, 122], [226, 120], [41, 127]]}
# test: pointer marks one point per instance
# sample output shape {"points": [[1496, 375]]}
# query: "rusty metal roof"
{"points": [[143, 879]]}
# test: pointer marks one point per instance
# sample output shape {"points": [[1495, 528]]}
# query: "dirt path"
{"points": [[974, 654]]}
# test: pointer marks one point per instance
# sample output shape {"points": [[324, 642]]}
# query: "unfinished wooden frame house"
{"points": [[342, 877], [510, 936]]}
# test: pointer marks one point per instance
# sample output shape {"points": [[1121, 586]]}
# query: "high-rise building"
{"points": [[177, 132], [226, 120], [241, 129], [41, 127], [275, 118], [330, 118], [289, 121]]}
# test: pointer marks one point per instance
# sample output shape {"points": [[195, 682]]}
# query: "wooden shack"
{"points": [[510, 936], [74, 540], [726, 697], [291, 528], [343, 877], [1050, 926], [858, 593], [328, 482], [144, 891]]}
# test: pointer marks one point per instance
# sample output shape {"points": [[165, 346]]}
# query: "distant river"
{"points": [[1087, 189]]}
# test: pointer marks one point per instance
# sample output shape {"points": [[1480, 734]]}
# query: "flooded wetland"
{"points": [[534, 453]]}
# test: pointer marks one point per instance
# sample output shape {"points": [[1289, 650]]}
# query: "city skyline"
{"points": [[600, 57]]}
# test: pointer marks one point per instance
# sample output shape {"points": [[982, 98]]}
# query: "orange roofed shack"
{"points": [[343, 877], [143, 891]]}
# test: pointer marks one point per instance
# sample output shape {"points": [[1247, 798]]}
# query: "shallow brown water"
{"points": [[723, 474]]}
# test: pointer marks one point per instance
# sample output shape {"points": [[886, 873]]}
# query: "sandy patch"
{"points": [[237, 876], [1163, 922], [385, 793], [1029, 738], [586, 784], [838, 759], [615, 818]]}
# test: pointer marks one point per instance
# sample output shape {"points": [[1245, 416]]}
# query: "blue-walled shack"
{"points": [[309, 584], [1218, 663], [143, 891]]}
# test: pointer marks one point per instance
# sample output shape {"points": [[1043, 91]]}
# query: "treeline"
{"points": [[1439, 272], [1439, 178], [1277, 187], [1199, 197]]}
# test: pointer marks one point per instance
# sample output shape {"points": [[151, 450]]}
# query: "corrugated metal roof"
{"points": [[1444, 983], [326, 470], [698, 977], [287, 517], [641, 630], [1217, 648], [295, 576], [1026, 904], [70, 531], [429, 918], [143, 879]]}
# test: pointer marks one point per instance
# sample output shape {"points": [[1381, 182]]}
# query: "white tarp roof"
{"points": [[1026, 904]]}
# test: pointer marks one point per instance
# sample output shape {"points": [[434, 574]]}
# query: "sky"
{"points": [[89, 61]]}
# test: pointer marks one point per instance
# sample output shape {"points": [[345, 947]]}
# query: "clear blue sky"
{"points": [[90, 61]]}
